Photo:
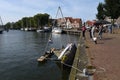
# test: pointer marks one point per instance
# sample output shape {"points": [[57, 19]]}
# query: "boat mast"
{"points": [[1, 24], [1, 21], [59, 9]]}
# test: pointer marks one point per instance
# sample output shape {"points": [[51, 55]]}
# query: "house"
{"points": [[69, 22], [118, 21], [89, 23]]}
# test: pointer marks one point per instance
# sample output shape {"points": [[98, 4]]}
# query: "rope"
{"points": [[48, 42], [72, 67], [54, 59]]}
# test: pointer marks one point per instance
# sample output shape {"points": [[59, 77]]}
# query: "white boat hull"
{"points": [[40, 30], [1, 30], [26, 29], [57, 30]]}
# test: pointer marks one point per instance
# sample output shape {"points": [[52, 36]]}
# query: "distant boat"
{"points": [[64, 56], [26, 29], [40, 30], [47, 29], [1, 26], [57, 30], [1, 30], [22, 29]]}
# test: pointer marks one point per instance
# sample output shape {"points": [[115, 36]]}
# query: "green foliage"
{"points": [[101, 12], [110, 8], [37, 21], [7, 25]]}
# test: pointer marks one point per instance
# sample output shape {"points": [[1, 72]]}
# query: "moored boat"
{"points": [[1, 31], [66, 55], [47, 29], [40, 30], [57, 30], [26, 29], [1, 26]]}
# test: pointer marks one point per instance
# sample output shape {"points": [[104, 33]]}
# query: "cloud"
{"points": [[13, 10]]}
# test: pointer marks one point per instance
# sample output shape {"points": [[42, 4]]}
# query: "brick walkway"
{"points": [[105, 56]]}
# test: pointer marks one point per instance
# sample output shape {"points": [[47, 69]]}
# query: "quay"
{"points": [[104, 56], [72, 31]]}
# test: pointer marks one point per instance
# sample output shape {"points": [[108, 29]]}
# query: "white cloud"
{"points": [[12, 10]]}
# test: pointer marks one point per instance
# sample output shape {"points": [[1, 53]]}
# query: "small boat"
{"points": [[40, 30], [26, 29], [1, 26], [1, 30], [44, 57], [22, 29], [57, 30], [47, 29]]}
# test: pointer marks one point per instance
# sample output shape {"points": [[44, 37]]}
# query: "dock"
{"points": [[80, 62], [72, 31], [104, 56]]}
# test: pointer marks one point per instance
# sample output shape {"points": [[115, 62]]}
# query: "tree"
{"points": [[39, 20], [112, 8], [8, 25], [101, 12]]}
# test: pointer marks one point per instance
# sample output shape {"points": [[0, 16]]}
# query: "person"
{"points": [[100, 31], [93, 34], [110, 28], [83, 31], [90, 32]]}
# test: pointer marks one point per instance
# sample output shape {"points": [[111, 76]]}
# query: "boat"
{"points": [[1, 29], [1, 26], [22, 29], [47, 29], [66, 55], [47, 54], [57, 30], [26, 29], [40, 30]]}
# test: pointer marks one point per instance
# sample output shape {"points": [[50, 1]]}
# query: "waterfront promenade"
{"points": [[105, 56]]}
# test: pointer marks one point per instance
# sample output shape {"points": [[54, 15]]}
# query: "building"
{"points": [[118, 21], [89, 23], [69, 22]]}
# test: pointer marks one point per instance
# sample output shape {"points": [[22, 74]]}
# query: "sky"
{"points": [[14, 10]]}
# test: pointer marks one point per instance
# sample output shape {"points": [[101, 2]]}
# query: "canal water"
{"points": [[19, 51]]}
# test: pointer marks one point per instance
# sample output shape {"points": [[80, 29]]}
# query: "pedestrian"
{"points": [[93, 34], [83, 31], [100, 31], [90, 33], [110, 28]]}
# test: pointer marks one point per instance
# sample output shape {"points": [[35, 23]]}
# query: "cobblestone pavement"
{"points": [[105, 55]]}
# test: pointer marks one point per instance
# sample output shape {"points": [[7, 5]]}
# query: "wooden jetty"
{"points": [[45, 56]]}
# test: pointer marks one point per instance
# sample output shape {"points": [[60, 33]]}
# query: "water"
{"points": [[19, 51]]}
